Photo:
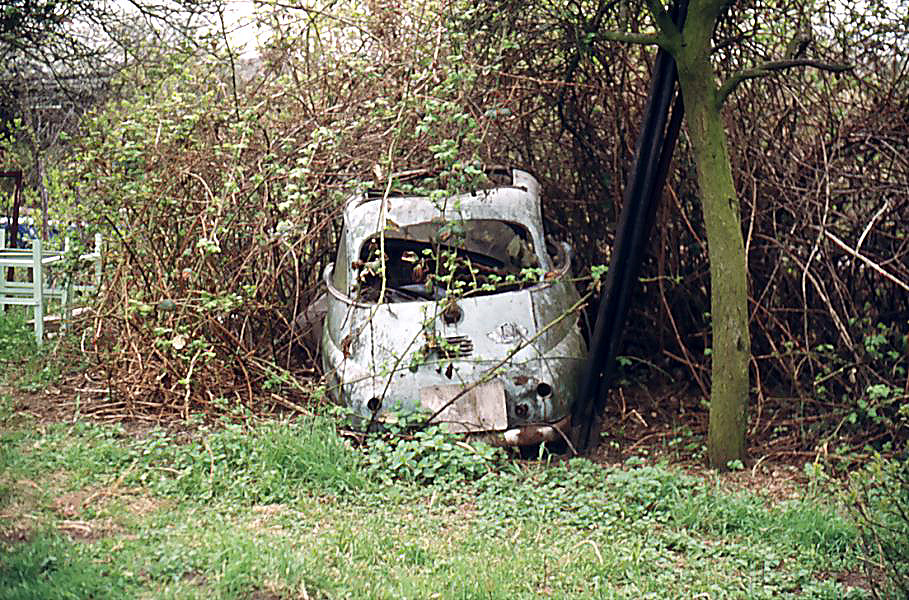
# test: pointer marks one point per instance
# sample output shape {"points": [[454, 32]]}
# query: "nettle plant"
{"points": [[409, 451]]}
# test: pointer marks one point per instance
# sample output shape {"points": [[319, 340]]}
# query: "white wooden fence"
{"points": [[36, 292]]}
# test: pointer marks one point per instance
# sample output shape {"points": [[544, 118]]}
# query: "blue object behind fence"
{"points": [[30, 230]]}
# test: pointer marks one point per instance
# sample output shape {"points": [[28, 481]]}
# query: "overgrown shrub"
{"points": [[878, 497], [823, 179], [219, 193]]}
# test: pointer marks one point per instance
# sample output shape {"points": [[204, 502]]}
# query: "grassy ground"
{"points": [[286, 509]]}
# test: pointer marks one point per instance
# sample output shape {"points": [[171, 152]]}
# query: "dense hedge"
{"points": [[221, 188]]}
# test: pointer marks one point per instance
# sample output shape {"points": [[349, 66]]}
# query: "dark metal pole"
{"points": [[653, 154]]}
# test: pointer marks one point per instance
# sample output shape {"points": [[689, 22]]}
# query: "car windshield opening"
{"points": [[438, 259]]}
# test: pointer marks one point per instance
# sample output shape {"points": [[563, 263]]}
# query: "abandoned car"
{"points": [[455, 307]]}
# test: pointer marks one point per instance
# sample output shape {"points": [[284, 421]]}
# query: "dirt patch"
{"points": [[774, 482], [71, 504], [20, 499], [265, 595], [141, 505], [263, 515], [195, 578], [856, 580], [16, 533], [48, 406], [73, 507], [77, 508], [269, 510]]}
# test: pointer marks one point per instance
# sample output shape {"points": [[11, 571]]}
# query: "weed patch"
{"points": [[878, 497], [430, 456], [22, 363], [17, 339], [665, 517]]}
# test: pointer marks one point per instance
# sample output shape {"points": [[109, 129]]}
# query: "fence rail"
{"points": [[36, 292]]}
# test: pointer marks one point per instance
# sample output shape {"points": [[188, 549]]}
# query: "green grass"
{"points": [[48, 567], [287, 510], [276, 462], [22, 363], [17, 338]]}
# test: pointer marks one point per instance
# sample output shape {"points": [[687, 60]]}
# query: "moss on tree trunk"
{"points": [[731, 346]]}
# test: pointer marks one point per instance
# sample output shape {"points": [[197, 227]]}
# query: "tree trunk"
{"points": [[731, 347]]}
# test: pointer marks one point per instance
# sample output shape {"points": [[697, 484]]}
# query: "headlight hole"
{"points": [[452, 314]]}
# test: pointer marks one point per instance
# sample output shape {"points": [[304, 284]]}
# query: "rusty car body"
{"points": [[455, 307]]}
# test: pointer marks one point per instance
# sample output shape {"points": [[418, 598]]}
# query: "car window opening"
{"points": [[429, 261]]}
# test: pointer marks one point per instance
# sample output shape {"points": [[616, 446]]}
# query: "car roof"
{"points": [[517, 203]]}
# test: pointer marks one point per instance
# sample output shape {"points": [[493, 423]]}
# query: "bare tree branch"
{"points": [[866, 260], [731, 41], [646, 39], [767, 68], [663, 20]]}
